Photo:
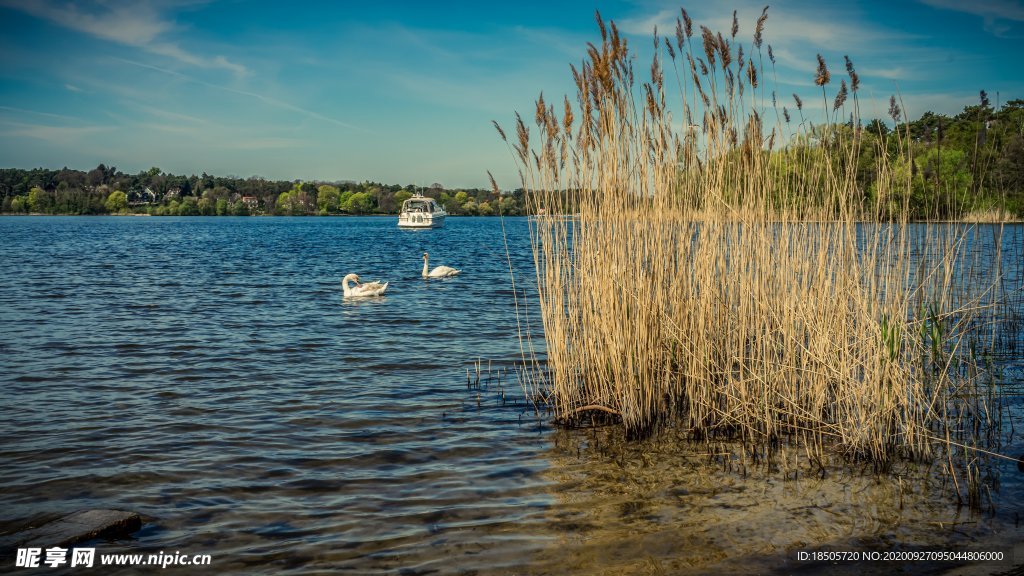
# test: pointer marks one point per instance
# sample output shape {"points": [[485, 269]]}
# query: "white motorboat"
{"points": [[421, 212]]}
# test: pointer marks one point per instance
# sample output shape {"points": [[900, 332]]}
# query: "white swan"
{"points": [[439, 272], [360, 290]]}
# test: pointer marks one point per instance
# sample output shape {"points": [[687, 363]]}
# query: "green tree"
{"points": [[360, 203], [19, 204], [509, 206], [403, 195], [117, 202], [207, 206], [877, 128], [344, 200], [189, 207], [294, 202], [328, 198], [286, 203], [240, 209], [39, 200]]}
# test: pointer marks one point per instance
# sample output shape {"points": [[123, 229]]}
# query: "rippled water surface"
{"points": [[208, 374]]}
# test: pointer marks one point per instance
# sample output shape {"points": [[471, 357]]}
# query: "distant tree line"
{"points": [[971, 162], [106, 190]]}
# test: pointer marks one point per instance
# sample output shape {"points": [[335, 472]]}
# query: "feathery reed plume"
{"points": [[759, 28], [703, 67], [577, 78], [600, 25], [567, 119], [799, 102], [524, 137], [739, 58], [494, 185], [652, 105], [854, 78], [500, 131], [735, 24], [894, 109], [657, 76], [840, 96], [551, 123], [771, 55], [689, 23], [618, 43], [752, 76], [785, 114], [724, 51], [823, 75], [710, 44], [671, 50]]}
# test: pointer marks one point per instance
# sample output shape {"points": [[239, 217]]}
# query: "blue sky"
{"points": [[404, 92]]}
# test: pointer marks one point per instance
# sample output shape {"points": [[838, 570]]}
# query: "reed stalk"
{"points": [[721, 271]]}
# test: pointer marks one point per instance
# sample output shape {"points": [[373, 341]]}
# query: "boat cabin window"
{"points": [[419, 206]]}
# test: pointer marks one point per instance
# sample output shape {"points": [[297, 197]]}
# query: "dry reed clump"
{"points": [[694, 268]]}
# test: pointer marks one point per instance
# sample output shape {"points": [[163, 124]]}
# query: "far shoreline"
{"points": [[134, 215]]}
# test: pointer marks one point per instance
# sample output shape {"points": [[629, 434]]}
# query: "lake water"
{"points": [[207, 373]]}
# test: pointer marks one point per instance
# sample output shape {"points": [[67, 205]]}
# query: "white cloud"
{"points": [[58, 135], [132, 23], [995, 9], [277, 103], [19, 112], [994, 13], [800, 28]]}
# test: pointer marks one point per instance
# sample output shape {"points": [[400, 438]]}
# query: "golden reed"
{"points": [[720, 269]]}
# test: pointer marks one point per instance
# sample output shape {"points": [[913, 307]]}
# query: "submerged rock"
{"points": [[76, 527]]}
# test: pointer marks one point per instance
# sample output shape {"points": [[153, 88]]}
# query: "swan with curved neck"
{"points": [[439, 272], [360, 290]]}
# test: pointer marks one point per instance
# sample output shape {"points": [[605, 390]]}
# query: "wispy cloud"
{"points": [[132, 23], [23, 111], [797, 33], [58, 135], [72, 88], [887, 73], [994, 13], [823, 28], [223, 136], [263, 98], [176, 117]]}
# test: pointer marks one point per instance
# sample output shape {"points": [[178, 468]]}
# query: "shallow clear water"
{"points": [[207, 373]]}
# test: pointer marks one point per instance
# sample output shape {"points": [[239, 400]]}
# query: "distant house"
{"points": [[251, 202], [137, 198]]}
